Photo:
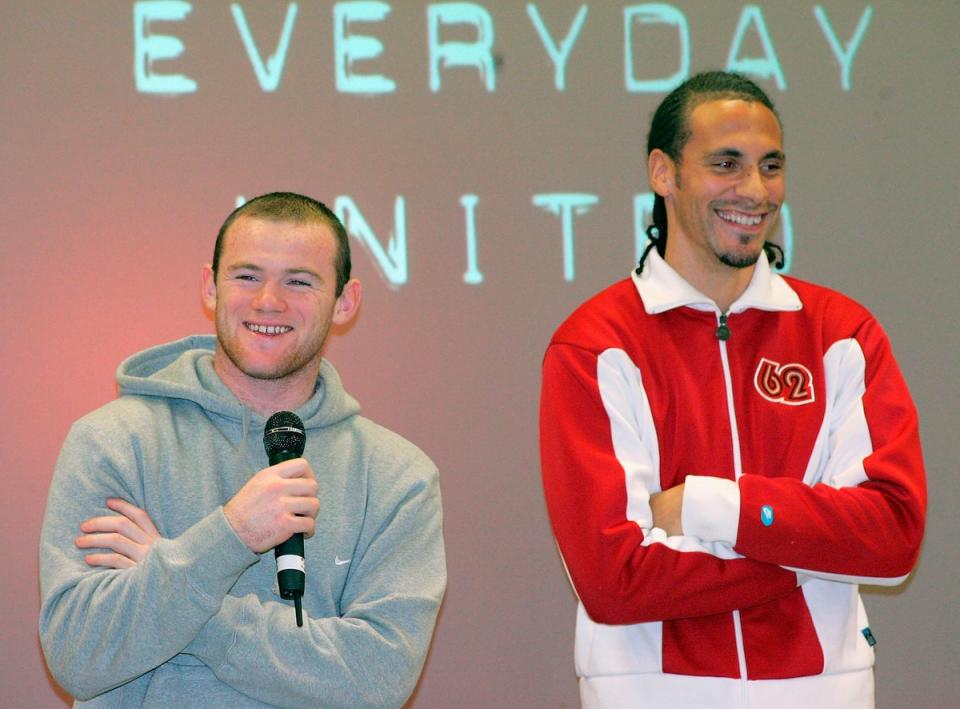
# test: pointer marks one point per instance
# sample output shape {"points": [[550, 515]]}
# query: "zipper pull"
{"points": [[723, 332]]}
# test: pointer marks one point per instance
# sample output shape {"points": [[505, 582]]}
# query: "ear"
{"points": [[348, 303], [208, 287], [662, 171]]}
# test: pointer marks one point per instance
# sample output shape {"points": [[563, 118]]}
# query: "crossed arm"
{"points": [[369, 656], [275, 503], [666, 556], [127, 535], [161, 596]]}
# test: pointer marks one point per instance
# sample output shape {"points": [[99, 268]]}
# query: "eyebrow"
{"points": [[734, 153], [299, 270]]}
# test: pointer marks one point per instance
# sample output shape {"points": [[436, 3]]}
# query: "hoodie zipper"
{"points": [[723, 334]]}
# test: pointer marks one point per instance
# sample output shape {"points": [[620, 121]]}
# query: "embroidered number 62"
{"points": [[790, 384]]}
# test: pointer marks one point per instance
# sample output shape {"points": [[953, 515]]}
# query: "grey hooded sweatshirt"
{"points": [[199, 622]]}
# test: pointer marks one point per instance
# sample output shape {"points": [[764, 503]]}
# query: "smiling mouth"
{"points": [[267, 329], [739, 218]]}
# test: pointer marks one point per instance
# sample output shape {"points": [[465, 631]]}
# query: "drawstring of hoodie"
{"points": [[243, 450]]}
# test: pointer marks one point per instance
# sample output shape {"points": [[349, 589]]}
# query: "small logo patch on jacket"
{"points": [[790, 384]]}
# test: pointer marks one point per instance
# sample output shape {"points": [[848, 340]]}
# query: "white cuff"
{"points": [[711, 509]]}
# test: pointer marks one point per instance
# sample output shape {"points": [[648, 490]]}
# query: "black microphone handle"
{"points": [[290, 581]]}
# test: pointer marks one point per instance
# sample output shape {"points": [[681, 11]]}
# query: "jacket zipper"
{"points": [[723, 331], [723, 334]]}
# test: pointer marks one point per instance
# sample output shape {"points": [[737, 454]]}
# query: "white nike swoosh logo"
{"points": [[340, 562]]}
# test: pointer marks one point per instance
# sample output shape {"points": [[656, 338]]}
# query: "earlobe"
{"points": [[348, 302], [208, 287], [660, 168]]}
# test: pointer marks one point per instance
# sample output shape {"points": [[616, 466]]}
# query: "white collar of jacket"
{"points": [[661, 288]]}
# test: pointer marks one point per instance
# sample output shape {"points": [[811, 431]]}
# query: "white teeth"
{"points": [[741, 218], [268, 329]]}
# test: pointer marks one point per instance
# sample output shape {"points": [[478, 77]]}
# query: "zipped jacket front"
{"points": [[797, 444]]}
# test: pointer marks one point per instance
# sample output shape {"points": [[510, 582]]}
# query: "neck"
{"points": [[267, 396], [721, 283]]}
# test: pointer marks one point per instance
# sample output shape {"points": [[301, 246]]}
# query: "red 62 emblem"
{"points": [[790, 384]]}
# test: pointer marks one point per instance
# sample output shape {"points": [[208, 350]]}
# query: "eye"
{"points": [[300, 283], [245, 277], [772, 168], [725, 164]]}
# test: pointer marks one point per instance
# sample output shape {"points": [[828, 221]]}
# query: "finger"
{"points": [[135, 514], [304, 525], [111, 541], [296, 468], [100, 524], [300, 487], [113, 561], [303, 506], [117, 524], [114, 542]]}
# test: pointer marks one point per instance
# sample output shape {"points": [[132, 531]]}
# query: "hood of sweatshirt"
{"points": [[183, 369]]}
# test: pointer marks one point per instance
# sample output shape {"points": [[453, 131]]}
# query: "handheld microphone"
{"points": [[284, 439]]}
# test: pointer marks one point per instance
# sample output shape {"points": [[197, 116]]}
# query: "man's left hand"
{"points": [[128, 535]]}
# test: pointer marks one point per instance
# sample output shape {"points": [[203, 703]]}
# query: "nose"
{"points": [[753, 186], [269, 298]]}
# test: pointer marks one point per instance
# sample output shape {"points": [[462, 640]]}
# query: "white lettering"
{"points": [[149, 48], [565, 205], [558, 54], [473, 276], [477, 54], [647, 14], [392, 261], [844, 55], [269, 73], [769, 65], [351, 48]]}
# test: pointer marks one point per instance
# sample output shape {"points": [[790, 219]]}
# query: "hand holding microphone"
{"points": [[277, 506]]}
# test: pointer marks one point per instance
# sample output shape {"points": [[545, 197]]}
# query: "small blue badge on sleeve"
{"points": [[766, 515], [871, 641]]}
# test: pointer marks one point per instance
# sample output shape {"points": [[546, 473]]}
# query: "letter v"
{"points": [[268, 74]]}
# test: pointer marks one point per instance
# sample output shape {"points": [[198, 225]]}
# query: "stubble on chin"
{"points": [[281, 369], [739, 260], [742, 259]]}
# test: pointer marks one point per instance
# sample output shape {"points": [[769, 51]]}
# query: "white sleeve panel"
{"points": [[844, 440], [711, 509]]}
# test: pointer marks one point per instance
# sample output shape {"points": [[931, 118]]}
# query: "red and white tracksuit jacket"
{"points": [[797, 442]]}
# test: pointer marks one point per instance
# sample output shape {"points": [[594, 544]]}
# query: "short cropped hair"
{"points": [[296, 208]]}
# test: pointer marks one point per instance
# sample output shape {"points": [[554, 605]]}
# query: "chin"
{"points": [[740, 259], [262, 373]]}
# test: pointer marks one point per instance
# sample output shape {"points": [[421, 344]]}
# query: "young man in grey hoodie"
{"points": [[157, 585]]}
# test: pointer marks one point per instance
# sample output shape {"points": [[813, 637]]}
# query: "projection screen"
{"points": [[488, 161]]}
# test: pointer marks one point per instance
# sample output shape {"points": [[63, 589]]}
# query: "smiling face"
{"points": [[724, 195], [274, 296]]}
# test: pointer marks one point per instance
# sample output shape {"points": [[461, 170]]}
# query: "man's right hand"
{"points": [[274, 504]]}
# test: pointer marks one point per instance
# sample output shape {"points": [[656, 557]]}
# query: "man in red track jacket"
{"points": [[727, 453]]}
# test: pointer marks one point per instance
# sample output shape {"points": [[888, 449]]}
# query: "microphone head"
{"points": [[284, 432]]}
